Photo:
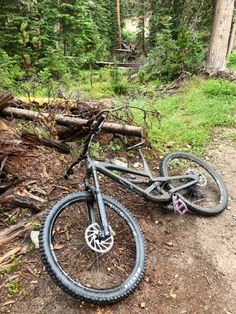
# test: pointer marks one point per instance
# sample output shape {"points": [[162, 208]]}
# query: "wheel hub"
{"points": [[202, 181], [94, 240]]}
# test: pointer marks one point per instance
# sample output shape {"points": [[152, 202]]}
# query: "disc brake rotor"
{"points": [[202, 181], [94, 241]]}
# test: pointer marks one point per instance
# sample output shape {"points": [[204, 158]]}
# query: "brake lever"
{"points": [[69, 172]]}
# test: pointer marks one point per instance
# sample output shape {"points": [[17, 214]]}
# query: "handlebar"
{"points": [[95, 129], [97, 124]]}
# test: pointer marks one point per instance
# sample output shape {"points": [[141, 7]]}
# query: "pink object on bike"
{"points": [[179, 205]]}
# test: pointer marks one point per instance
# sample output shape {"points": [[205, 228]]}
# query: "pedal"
{"points": [[179, 205]]}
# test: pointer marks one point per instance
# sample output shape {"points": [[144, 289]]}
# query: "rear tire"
{"points": [[208, 198], [75, 267]]}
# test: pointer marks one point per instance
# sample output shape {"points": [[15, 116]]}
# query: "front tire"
{"points": [[75, 267], [209, 197]]}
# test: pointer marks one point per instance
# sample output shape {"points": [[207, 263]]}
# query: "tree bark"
{"points": [[217, 52], [232, 37], [77, 122], [118, 23]]}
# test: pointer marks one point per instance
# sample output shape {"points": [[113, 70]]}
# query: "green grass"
{"points": [[231, 62], [188, 118], [96, 85], [13, 286], [15, 261]]}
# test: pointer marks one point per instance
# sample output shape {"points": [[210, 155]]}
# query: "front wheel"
{"points": [[207, 197], [104, 272]]}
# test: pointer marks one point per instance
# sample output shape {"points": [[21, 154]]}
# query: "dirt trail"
{"points": [[191, 260]]}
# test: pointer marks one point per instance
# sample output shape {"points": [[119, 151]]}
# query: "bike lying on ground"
{"points": [[93, 247]]}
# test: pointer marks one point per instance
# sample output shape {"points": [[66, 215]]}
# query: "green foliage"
{"points": [[188, 118], [53, 65], [60, 36], [9, 71], [118, 83], [12, 218], [128, 36], [15, 260], [231, 62], [13, 286], [54, 40], [173, 55], [36, 225], [96, 149], [220, 88]]}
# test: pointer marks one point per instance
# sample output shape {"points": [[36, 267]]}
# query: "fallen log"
{"points": [[71, 121], [20, 197], [119, 65]]}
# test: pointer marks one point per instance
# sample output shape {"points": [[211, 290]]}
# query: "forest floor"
{"points": [[191, 264]]}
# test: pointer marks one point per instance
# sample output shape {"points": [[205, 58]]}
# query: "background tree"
{"points": [[220, 36]]}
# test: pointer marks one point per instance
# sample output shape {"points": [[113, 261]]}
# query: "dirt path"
{"points": [[191, 260]]}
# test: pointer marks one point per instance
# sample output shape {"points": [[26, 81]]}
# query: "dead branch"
{"points": [[31, 138], [20, 230], [76, 122], [4, 100], [9, 254]]}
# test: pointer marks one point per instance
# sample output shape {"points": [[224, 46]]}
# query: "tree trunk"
{"points": [[232, 37], [220, 36], [118, 24]]}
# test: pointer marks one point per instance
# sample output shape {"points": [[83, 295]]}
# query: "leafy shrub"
{"points": [[174, 53], [9, 71], [128, 35], [220, 88], [55, 63], [231, 62], [118, 84]]}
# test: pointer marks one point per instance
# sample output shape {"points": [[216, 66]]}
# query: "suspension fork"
{"points": [[96, 191]]}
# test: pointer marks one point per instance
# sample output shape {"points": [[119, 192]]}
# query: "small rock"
{"points": [[143, 305], [169, 243], [173, 295], [34, 235]]}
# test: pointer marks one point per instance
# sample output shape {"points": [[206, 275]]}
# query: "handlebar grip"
{"points": [[98, 123], [68, 173]]}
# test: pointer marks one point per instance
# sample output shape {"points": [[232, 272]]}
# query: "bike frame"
{"points": [[108, 169]]}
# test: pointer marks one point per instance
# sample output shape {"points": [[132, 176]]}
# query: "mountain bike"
{"points": [[92, 246]]}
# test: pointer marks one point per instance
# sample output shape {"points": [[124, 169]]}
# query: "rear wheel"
{"points": [[84, 265], [207, 197]]}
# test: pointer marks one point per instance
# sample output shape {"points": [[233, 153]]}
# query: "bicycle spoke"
{"points": [[80, 261]]}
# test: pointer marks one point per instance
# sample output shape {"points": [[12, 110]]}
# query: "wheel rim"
{"points": [[206, 193], [79, 262]]}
